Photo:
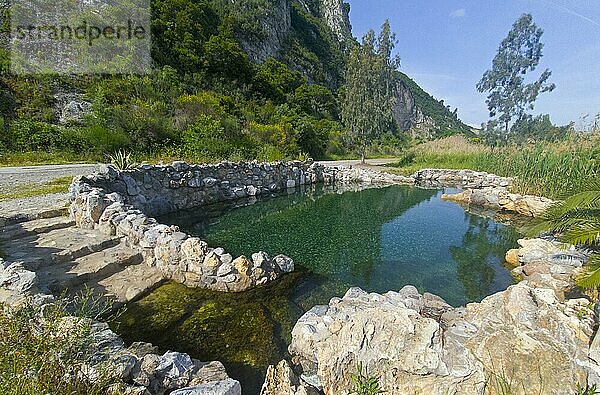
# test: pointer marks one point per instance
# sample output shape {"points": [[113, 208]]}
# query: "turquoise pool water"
{"points": [[377, 239]]}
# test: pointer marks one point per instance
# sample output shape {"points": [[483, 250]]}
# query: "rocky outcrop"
{"points": [[136, 369], [275, 24], [484, 190], [408, 115], [500, 199], [337, 16], [71, 108], [523, 337], [459, 178], [547, 264], [281, 380]]}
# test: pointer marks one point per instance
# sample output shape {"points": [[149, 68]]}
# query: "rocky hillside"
{"points": [[312, 36], [263, 76]]}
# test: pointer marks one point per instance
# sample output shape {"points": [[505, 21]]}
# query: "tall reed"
{"points": [[547, 169]]}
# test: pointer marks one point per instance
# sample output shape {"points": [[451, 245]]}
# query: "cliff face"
{"points": [[308, 35], [313, 36], [275, 23], [337, 16], [409, 116]]}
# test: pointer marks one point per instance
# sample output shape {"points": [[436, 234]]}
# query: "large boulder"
{"points": [[417, 344], [499, 199]]}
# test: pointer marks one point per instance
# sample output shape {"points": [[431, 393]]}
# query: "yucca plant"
{"points": [[577, 221], [122, 160]]}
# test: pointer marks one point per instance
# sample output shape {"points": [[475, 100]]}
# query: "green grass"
{"points": [[58, 185], [553, 170], [40, 353]]}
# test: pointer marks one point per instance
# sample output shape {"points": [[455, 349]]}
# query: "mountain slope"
{"points": [[312, 36]]}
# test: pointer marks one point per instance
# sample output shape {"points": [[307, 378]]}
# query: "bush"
{"points": [[224, 59], [314, 135], [282, 135], [179, 30], [189, 107], [274, 80], [29, 135], [208, 139], [316, 100]]}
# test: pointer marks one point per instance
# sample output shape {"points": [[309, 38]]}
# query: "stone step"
{"points": [[44, 225], [59, 245], [90, 268], [130, 284], [32, 214]]}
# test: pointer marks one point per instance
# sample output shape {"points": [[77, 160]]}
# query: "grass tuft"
{"points": [[58, 185]]}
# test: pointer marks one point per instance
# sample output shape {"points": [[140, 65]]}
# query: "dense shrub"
{"points": [[224, 59], [208, 139], [179, 30], [29, 135], [275, 80], [315, 100]]}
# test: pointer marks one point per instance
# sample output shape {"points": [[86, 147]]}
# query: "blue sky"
{"points": [[447, 45]]}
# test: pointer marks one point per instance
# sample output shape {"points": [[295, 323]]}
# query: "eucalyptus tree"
{"points": [[369, 92], [520, 52]]}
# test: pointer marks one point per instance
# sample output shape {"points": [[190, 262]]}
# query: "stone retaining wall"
{"points": [[466, 179], [121, 203]]}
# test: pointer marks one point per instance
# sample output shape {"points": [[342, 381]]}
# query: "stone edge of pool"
{"points": [[120, 203]]}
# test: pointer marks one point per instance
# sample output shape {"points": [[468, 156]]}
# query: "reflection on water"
{"points": [[378, 239]]}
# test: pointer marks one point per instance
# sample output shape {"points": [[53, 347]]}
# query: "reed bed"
{"points": [[547, 169]]}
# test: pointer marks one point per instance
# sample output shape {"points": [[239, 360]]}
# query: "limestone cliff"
{"points": [[337, 16], [275, 24], [313, 36], [310, 36]]}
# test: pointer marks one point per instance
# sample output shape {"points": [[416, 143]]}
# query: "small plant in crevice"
{"points": [[122, 160], [587, 390], [365, 384]]}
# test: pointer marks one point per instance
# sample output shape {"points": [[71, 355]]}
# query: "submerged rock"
{"points": [[418, 344]]}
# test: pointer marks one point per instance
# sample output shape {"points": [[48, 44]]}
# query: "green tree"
{"points": [[520, 52], [368, 98]]}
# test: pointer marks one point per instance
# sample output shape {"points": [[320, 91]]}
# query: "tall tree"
{"points": [[368, 98], [520, 52]]}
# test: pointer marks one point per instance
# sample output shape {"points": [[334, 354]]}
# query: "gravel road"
{"points": [[13, 177]]}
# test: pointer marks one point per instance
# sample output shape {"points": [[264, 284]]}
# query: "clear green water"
{"points": [[377, 239]]}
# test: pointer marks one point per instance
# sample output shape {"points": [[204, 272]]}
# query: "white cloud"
{"points": [[460, 13]]}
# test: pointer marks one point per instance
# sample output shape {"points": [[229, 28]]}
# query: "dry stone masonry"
{"points": [[122, 203], [466, 179]]}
